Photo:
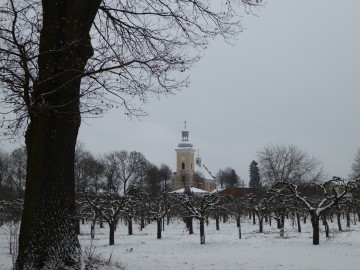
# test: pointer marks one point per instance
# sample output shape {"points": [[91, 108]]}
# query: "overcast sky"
{"points": [[292, 77]]}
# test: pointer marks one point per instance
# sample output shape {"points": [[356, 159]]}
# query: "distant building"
{"points": [[190, 172]]}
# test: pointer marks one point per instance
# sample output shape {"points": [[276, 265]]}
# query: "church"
{"points": [[190, 172]]}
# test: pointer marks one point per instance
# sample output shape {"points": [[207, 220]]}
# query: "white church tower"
{"points": [[190, 172]]}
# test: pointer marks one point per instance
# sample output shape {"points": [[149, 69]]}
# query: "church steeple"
{"points": [[185, 138], [185, 162], [198, 159]]}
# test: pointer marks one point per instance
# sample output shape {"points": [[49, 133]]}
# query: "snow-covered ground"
{"points": [[223, 250]]}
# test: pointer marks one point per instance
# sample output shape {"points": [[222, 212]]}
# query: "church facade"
{"points": [[190, 172]]}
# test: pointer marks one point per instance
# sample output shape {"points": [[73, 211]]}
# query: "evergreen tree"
{"points": [[255, 181]]}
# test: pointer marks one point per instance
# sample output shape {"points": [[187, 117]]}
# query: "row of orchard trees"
{"points": [[317, 202]]}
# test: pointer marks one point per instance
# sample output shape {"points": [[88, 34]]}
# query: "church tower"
{"points": [[184, 162], [190, 172]]}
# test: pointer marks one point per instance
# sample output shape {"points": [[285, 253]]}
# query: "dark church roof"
{"points": [[236, 191]]}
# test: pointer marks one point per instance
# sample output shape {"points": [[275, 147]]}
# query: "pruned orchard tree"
{"points": [[154, 207], [332, 194], [61, 58], [198, 207], [288, 164], [108, 207], [238, 206]]}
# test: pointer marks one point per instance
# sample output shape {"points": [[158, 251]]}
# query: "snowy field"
{"points": [[223, 250]]}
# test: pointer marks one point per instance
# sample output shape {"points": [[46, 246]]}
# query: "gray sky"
{"points": [[292, 77]]}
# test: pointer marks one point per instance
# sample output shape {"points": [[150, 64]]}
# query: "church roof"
{"points": [[203, 170]]}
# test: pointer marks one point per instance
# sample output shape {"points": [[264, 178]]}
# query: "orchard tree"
{"points": [[62, 58], [198, 207], [332, 193]]}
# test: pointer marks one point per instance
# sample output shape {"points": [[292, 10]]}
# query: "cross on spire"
{"points": [[185, 124]]}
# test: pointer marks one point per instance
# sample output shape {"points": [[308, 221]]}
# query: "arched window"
{"points": [[183, 166]]}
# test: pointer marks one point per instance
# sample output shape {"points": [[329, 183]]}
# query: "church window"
{"points": [[183, 166]]}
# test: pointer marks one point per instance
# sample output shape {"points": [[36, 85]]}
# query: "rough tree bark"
{"points": [[315, 225], [51, 136]]}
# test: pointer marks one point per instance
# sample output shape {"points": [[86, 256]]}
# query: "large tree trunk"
{"points": [[315, 225], [47, 236]]}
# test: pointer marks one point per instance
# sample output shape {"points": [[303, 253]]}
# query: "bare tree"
{"points": [[227, 178], [17, 174], [51, 72], [4, 171], [165, 176], [355, 173], [133, 168], [288, 164], [152, 180], [79, 168], [111, 172]]}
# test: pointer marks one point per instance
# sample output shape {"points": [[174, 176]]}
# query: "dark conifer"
{"points": [[255, 181]]}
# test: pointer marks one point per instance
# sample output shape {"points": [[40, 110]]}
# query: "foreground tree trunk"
{"points": [[47, 234], [315, 225]]}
